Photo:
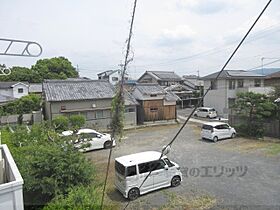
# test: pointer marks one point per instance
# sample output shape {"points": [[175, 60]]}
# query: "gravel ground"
{"points": [[234, 178]]}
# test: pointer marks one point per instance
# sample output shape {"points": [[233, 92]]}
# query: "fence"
{"points": [[271, 126], [34, 117]]}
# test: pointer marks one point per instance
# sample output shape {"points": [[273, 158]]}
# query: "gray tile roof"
{"points": [[4, 98], [35, 88], [165, 75], [69, 90], [129, 99], [228, 74], [6, 85], [150, 88]]}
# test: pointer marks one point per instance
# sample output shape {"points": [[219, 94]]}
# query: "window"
{"points": [[120, 169], [20, 90], [92, 135], [99, 114], [115, 79], [63, 108], [131, 171], [207, 127], [144, 167], [167, 161], [153, 95], [231, 84], [213, 85], [257, 82], [240, 83], [153, 109], [129, 110]]}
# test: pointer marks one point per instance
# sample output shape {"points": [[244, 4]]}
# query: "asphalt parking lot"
{"points": [[220, 175]]}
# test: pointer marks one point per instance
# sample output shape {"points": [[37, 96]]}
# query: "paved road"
{"points": [[259, 188]]}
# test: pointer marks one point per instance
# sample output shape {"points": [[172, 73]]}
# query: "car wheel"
{"points": [[208, 116], [176, 180], [133, 194], [215, 139], [107, 144], [233, 135]]}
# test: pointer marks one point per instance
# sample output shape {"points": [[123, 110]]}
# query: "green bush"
{"points": [[77, 121], [60, 123], [252, 130]]}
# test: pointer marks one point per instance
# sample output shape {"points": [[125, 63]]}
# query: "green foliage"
{"points": [[77, 121], [53, 68], [117, 123], [255, 108], [24, 105], [48, 166], [79, 198], [60, 123]]}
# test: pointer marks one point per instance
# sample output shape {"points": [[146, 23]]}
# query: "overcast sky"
{"points": [[170, 35]]}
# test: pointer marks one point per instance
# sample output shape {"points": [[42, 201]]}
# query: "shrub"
{"points": [[60, 123], [77, 121]]}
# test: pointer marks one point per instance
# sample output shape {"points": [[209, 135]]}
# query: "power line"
{"points": [[121, 95], [200, 101]]}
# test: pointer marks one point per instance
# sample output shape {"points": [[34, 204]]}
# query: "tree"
{"points": [[48, 166], [77, 121], [22, 74], [55, 68], [117, 123], [255, 108]]}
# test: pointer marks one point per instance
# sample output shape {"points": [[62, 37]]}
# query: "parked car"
{"points": [[205, 112], [131, 170], [216, 131], [95, 139]]}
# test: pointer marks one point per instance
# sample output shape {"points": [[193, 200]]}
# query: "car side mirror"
{"points": [[166, 167]]}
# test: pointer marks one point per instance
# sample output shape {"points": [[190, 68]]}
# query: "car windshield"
{"points": [[120, 169]]}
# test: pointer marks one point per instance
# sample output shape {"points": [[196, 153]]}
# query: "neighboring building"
{"points": [[90, 98], [113, 76], [11, 182], [223, 91], [193, 79], [163, 78], [272, 80], [35, 88], [12, 90], [155, 103]]}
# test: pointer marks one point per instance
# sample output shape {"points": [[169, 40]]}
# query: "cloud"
{"points": [[204, 7], [179, 36]]}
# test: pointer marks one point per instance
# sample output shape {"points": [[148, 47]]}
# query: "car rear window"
{"points": [[212, 110], [206, 127], [120, 169]]}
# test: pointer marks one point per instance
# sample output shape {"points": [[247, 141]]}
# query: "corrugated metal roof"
{"points": [[165, 75], [68, 90], [150, 88], [227, 74]]}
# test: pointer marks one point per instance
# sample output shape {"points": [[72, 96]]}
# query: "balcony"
{"points": [[11, 182]]}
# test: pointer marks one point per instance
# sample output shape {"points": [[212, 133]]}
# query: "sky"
{"points": [[185, 36]]}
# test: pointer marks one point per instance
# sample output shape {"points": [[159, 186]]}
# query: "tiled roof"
{"points": [[165, 75], [150, 88], [68, 90], [5, 85], [274, 75], [227, 74], [35, 88], [129, 99], [4, 98]]}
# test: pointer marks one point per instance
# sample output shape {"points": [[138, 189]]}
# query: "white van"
{"points": [[205, 112], [216, 131], [131, 170]]}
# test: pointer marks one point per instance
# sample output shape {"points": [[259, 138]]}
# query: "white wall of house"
{"points": [[20, 90]]}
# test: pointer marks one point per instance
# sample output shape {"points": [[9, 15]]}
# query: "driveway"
{"points": [[216, 175]]}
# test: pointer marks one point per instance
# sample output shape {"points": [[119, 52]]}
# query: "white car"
{"points": [[205, 112], [217, 130], [132, 170], [95, 139]]}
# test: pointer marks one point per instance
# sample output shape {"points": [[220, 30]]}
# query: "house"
{"points": [[272, 80], [184, 93], [223, 91], [90, 98], [154, 103], [10, 91], [35, 88], [11, 182], [194, 80], [113, 76], [163, 78]]}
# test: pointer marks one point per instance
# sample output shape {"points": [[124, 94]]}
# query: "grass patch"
{"points": [[200, 202], [273, 149]]}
